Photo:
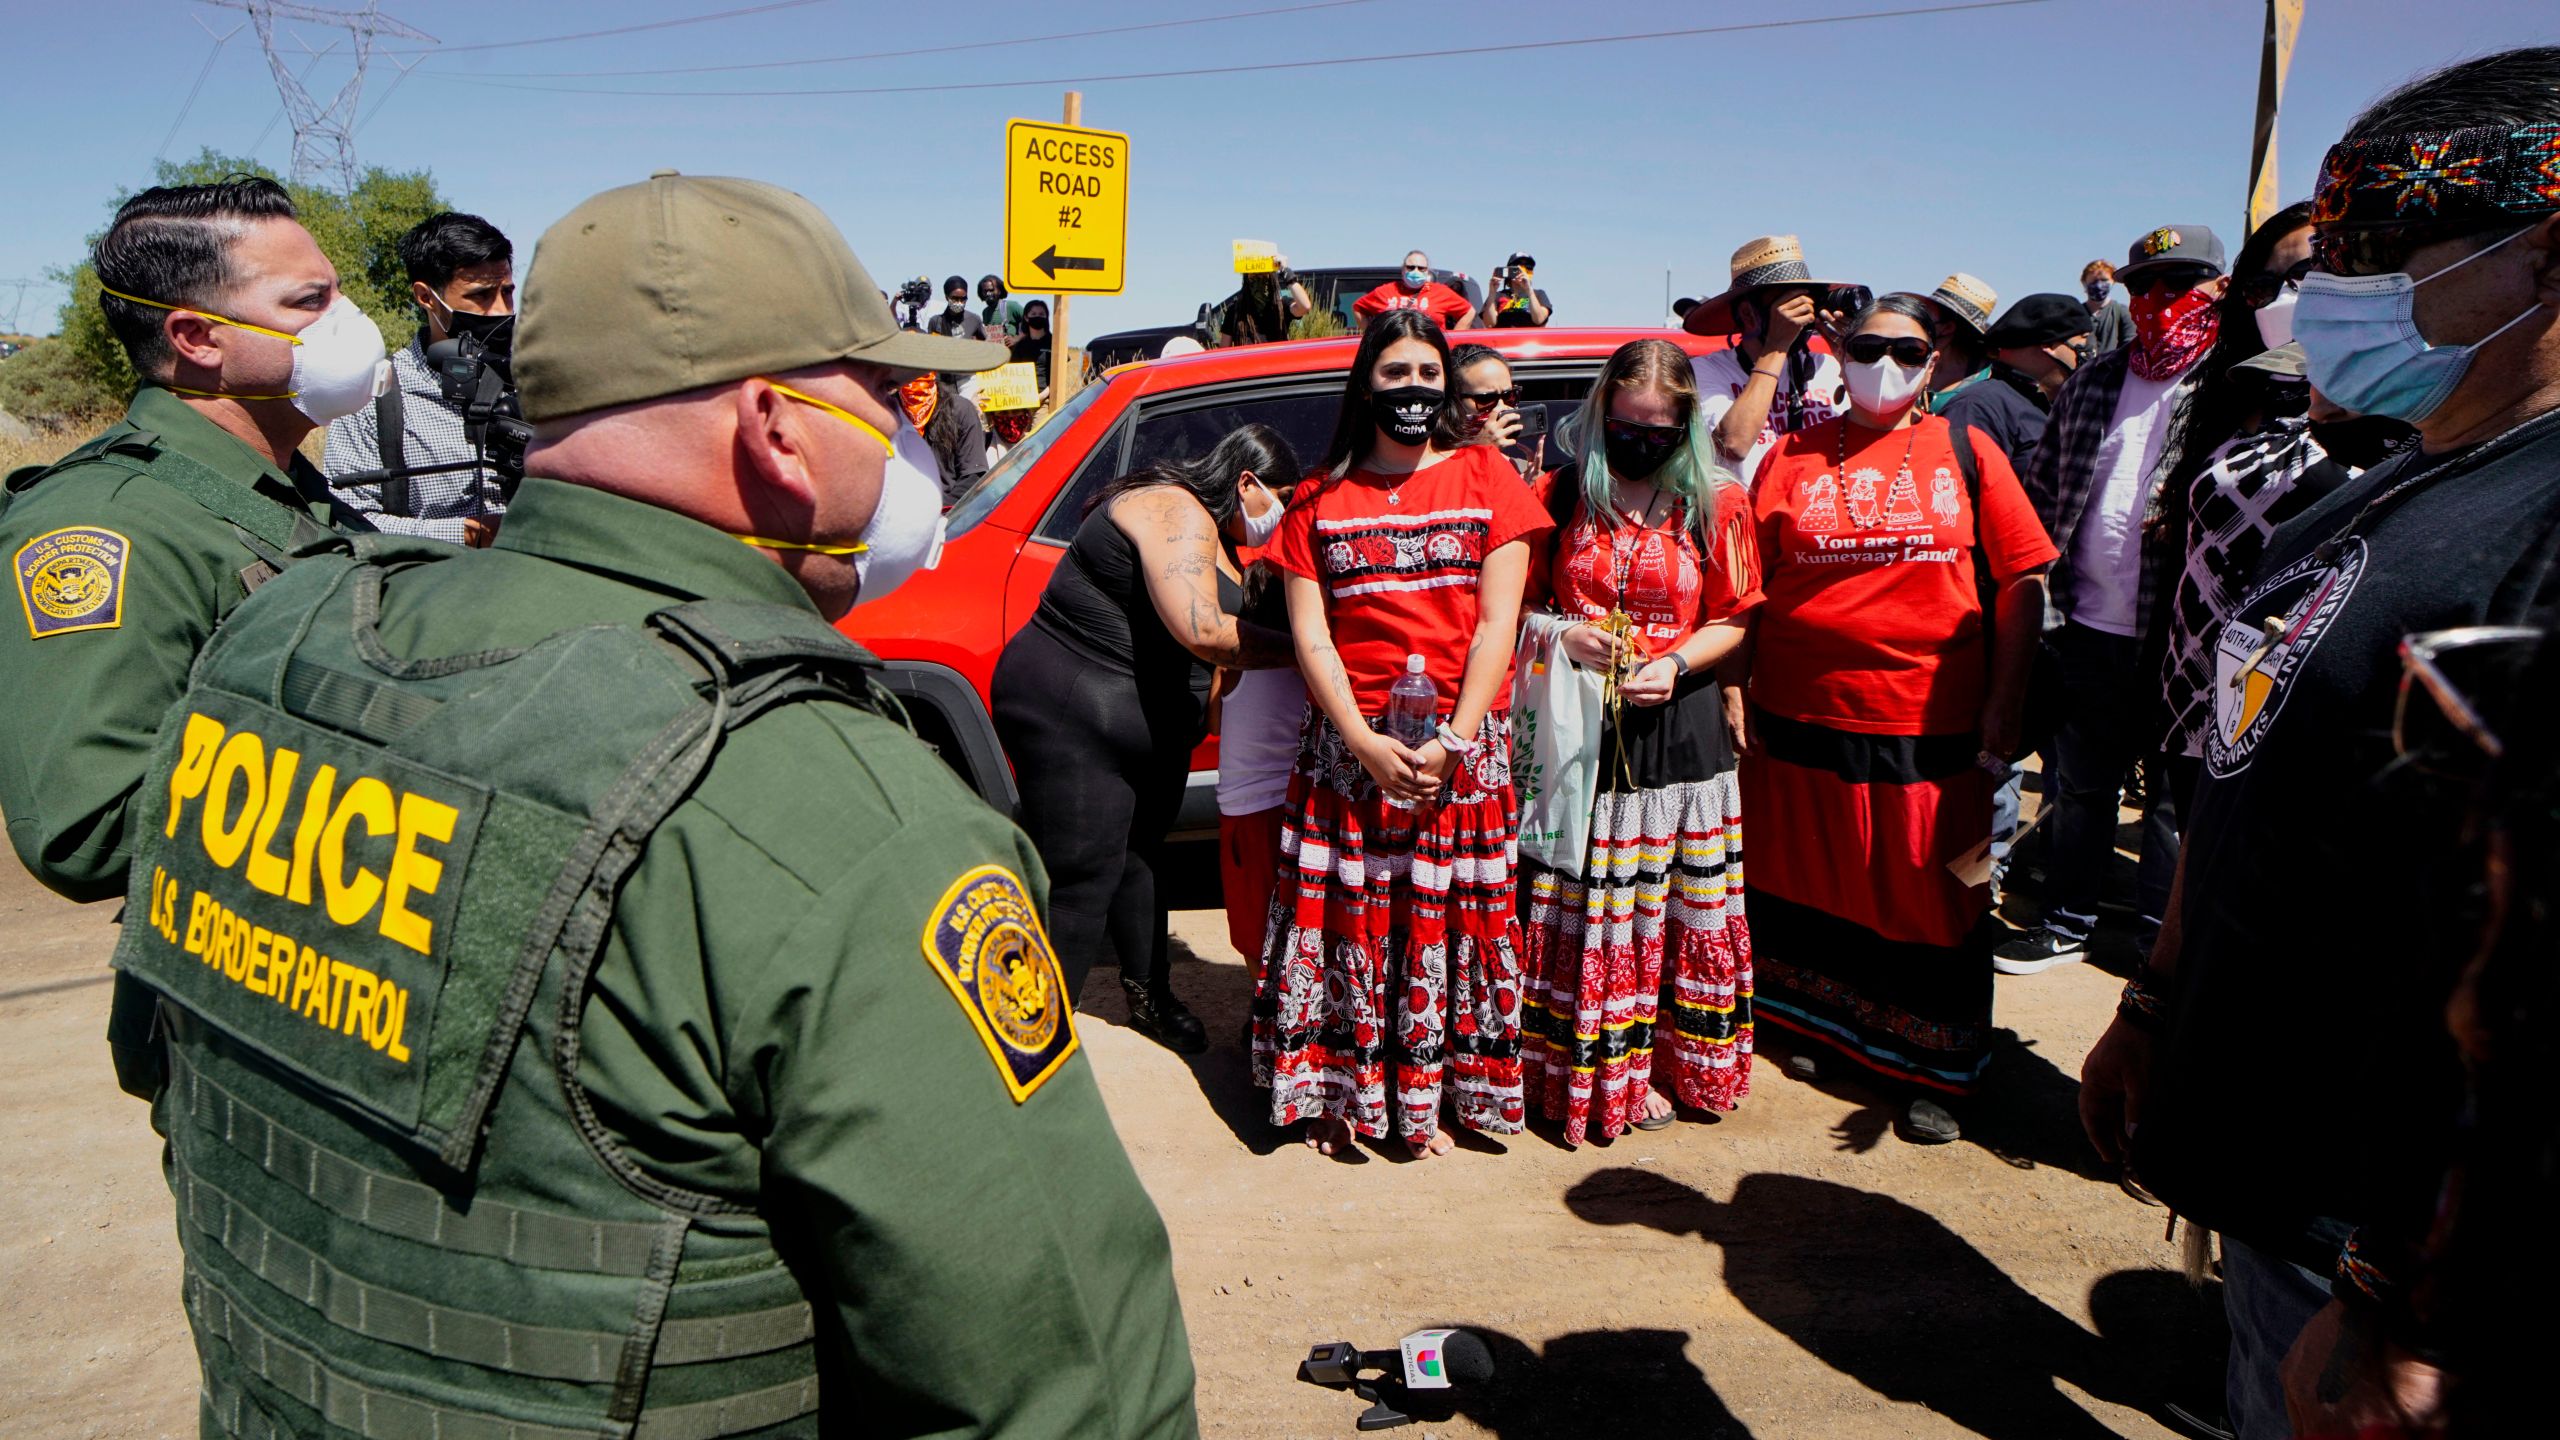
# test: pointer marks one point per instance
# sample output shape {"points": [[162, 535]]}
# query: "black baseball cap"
{"points": [[2041, 319]]}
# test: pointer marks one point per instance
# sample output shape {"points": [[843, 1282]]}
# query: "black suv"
{"points": [[1334, 290]]}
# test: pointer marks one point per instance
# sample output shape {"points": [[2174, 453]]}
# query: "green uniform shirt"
{"points": [[764, 1026], [118, 579]]}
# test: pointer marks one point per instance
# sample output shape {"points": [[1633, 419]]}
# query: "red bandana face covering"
{"points": [[2171, 335]]}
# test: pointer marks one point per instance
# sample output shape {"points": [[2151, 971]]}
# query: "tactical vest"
{"points": [[370, 892]]}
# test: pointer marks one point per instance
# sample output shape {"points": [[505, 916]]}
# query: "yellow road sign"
{"points": [[1066, 208]]}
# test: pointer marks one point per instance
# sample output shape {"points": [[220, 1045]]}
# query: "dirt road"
{"points": [[1791, 1270]]}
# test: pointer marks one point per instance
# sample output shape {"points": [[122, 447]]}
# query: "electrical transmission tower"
{"points": [[324, 146]]}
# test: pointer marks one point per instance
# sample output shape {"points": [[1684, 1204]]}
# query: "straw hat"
{"points": [[1968, 300], [1759, 264]]}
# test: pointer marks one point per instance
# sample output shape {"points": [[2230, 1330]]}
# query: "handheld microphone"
{"points": [[1423, 1360]]}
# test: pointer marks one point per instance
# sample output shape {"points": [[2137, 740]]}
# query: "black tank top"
{"points": [[1097, 606]]}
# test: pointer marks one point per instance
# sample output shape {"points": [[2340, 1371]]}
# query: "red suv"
{"points": [[941, 632]]}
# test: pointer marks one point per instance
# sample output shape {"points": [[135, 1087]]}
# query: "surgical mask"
{"points": [[1415, 279], [906, 530], [2361, 344], [339, 364], [955, 305], [1883, 386], [2275, 318], [1405, 412], [1258, 529]]}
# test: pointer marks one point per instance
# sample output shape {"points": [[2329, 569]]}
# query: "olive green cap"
{"points": [[684, 281]]}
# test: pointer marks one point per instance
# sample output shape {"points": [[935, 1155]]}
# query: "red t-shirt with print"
{"points": [[1444, 304], [1873, 622], [1397, 556], [1669, 582]]}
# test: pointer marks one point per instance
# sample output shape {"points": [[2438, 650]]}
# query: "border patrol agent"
{"points": [[586, 1013], [127, 552]]}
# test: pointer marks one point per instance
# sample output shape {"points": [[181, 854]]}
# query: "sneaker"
{"points": [[2041, 951], [1926, 1122]]}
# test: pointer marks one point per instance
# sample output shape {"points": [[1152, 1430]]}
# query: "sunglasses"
{"points": [[2176, 281], [1906, 350], [1487, 399], [2450, 668], [2385, 249], [2260, 291], [1631, 432]]}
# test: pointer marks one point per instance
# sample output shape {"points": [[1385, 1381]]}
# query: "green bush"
{"points": [[1317, 325], [47, 384], [359, 232]]}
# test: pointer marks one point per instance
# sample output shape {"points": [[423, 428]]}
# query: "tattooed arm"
{"points": [[1177, 547]]}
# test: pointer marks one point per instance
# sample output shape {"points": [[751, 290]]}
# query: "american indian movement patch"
{"points": [[72, 579], [984, 940]]}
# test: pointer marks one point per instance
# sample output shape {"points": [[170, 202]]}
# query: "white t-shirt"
{"points": [[1720, 378], [1258, 740], [2106, 550]]}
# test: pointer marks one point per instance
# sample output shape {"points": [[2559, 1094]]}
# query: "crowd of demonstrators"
{"points": [[1891, 662], [1648, 579], [1415, 289], [1769, 381], [1102, 696], [1264, 306], [1391, 972], [1965, 306], [2283, 983], [998, 312], [952, 428], [462, 278], [2117, 431], [2110, 323], [1515, 301]]}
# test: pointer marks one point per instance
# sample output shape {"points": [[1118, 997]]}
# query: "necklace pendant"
{"points": [[1395, 497]]}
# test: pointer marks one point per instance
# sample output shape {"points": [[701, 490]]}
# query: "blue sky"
{"points": [[2015, 143]]}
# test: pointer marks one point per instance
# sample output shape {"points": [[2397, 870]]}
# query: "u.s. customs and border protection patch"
{"points": [[72, 579], [984, 939]]}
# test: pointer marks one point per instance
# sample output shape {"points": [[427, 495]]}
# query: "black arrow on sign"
{"points": [[1051, 262]]}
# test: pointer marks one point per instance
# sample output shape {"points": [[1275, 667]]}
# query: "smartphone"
{"points": [[1533, 421]]}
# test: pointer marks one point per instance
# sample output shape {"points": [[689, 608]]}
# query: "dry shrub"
{"points": [[51, 442]]}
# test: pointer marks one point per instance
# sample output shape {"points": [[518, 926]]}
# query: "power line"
{"points": [[619, 29], [1053, 81], [927, 50], [197, 88]]}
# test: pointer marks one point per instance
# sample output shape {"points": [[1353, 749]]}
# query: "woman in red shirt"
{"points": [[1654, 531], [1384, 973], [1878, 691]]}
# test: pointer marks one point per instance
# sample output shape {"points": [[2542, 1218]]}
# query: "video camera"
{"points": [[917, 292], [479, 382]]}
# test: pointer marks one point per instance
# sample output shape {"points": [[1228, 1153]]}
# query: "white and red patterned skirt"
{"points": [[1653, 921], [1389, 981]]}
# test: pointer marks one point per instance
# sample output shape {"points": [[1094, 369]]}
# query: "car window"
{"points": [[1182, 427], [982, 498]]}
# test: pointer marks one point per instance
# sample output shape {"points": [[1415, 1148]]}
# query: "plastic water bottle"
{"points": [[1412, 720]]}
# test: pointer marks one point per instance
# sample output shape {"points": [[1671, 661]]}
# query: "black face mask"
{"points": [[2361, 441], [1636, 457], [496, 333], [1405, 412]]}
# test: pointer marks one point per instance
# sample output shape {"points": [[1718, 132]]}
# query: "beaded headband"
{"points": [[2487, 172]]}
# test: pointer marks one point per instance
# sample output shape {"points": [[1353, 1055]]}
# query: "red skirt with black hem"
{"points": [[1866, 942], [1389, 980], [1654, 919]]}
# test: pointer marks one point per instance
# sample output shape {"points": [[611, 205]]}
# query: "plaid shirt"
{"points": [[2064, 475], [432, 433]]}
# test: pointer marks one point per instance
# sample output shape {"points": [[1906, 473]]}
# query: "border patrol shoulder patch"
{"points": [[71, 579], [984, 940]]}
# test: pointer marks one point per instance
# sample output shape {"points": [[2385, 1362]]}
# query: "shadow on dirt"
{"points": [[1891, 1298], [1591, 1382]]}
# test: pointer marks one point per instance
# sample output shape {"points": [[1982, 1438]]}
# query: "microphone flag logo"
{"points": [[1425, 1367]]}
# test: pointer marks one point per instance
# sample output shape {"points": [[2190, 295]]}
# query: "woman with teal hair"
{"points": [[1651, 575]]}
